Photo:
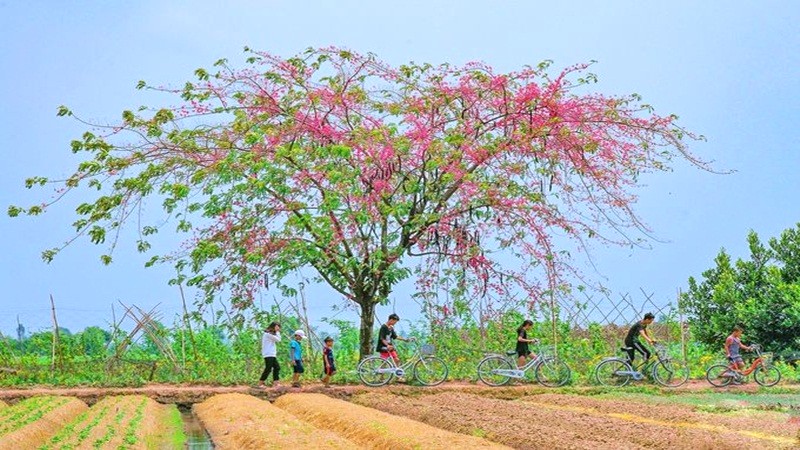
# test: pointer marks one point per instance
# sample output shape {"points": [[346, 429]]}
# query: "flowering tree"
{"points": [[338, 162]]}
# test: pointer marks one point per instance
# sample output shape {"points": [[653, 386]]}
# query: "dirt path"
{"points": [[187, 394]]}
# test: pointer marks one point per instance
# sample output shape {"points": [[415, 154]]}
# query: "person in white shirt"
{"points": [[269, 352]]}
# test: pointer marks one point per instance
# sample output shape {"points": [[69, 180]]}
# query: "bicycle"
{"points": [[497, 370], [617, 372], [765, 374], [427, 369]]}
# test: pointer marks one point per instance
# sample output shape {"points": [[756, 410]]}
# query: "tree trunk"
{"points": [[367, 347]]}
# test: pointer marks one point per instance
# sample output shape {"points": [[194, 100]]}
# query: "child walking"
{"points": [[269, 352], [328, 362], [523, 351], [296, 354]]}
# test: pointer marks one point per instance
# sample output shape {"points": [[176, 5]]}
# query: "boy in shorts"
{"points": [[386, 337], [732, 346], [296, 354], [328, 361]]}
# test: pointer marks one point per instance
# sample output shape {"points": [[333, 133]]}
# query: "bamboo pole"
{"points": [[683, 325], [188, 324], [55, 335], [555, 324]]}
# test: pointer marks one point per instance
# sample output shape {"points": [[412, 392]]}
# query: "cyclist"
{"points": [[386, 338], [632, 342], [732, 345], [522, 343]]}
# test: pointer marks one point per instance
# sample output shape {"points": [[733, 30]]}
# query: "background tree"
{"points": [[93, 341], [762, 293], [339, 162]]}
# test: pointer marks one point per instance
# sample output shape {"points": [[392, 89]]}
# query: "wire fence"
{"points": [[589, 316]]}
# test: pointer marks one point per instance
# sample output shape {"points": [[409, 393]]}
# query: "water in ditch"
{"points": [[196, 436]]}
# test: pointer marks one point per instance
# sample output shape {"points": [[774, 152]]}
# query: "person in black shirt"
{"points": [[328, 361], [386, 337], [632, 342], [522, 343]]}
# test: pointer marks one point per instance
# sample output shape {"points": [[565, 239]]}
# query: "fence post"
{"points": [[555, 324], [683, 331], [55, 336]]}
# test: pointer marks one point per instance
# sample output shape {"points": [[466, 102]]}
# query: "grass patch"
{"points": [[173, 430], [477, 432]]}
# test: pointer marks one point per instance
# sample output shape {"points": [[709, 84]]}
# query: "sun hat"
{"points": [[300, 333]]}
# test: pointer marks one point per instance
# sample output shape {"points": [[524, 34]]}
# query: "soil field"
{"points": [[30, 423], [238, 421], [375, 429], [767, 426], [565, 421], [454, 415], [128, 422]]}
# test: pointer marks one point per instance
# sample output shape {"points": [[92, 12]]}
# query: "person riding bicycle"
{"points": [[386, 337], [732, 345], [523, 351], [632, 342]]}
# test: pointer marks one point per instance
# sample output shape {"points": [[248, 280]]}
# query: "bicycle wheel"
{"points": [[767, 376], [613, 372], [670, 373], [552, 372], [487, 368], [719, 375], [368, 371], [430, 370]]}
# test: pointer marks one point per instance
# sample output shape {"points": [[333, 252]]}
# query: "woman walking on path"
{"points": [[269, 352]]}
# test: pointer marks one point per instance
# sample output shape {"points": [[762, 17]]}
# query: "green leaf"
{"points": [[152, 261], [97, 234], [201, 74], [148, 230], [47, 255], [30, 182]]}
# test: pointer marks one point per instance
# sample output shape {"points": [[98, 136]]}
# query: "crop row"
{"points": [[28, 411], [237, 421], [119, 423], [560, 421], [31, 422], [79, 429]]}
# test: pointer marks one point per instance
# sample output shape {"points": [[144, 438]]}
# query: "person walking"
{"points": [[296, 355], [269, 351], [328, 361]]}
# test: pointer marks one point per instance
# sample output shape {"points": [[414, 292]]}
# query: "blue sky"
{"points": [[730, 70]]}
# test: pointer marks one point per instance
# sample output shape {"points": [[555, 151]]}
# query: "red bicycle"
{"points": [[765, 374]]}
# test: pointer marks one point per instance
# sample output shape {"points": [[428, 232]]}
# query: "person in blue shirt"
{"points": [[296, 357]]}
